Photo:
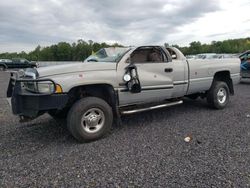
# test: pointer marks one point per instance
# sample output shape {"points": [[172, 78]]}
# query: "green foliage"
{"points": [[80, 50], [226, 46], [62, 51]]}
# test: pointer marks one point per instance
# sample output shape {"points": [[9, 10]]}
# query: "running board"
{"points": [[151, 107]]}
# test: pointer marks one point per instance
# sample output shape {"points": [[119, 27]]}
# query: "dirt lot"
{"points": [[147, 150]]}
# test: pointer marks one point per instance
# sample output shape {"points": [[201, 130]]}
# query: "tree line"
{"points": [[226, 46], [80, 50], [63, 51]]}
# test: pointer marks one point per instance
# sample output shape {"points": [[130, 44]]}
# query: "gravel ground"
{"points": [[148, 150]]}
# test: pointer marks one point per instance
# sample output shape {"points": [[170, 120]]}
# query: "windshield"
{"points": [[112, 54]]}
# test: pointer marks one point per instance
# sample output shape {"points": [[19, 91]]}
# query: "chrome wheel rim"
{"points": [[222, 95], [93, 120]]}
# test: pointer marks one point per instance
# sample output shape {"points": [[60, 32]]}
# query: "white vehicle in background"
{"points": [[212, 56], [225, 56], [190, 56], [206, 56]]}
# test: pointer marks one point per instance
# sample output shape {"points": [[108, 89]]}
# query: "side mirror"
{"points": [[132, 80], [134, 85]]}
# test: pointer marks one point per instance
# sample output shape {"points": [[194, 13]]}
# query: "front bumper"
{"points": [[31, 105]]}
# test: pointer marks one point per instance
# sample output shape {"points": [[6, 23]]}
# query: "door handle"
{"points": [[168, 70]]}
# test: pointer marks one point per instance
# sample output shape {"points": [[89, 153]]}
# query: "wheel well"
{"points": [[225, 77], [103, 91]]}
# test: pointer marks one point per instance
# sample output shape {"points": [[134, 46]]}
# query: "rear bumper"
{"points": [[31, 105]]}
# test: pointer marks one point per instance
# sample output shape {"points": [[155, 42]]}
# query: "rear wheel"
{"points": [[89, 119], [218, 95]]}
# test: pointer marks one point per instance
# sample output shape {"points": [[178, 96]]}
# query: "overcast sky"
{"points": [[26, 23]]}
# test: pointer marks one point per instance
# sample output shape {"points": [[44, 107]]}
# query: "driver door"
{"points": [[156, 79]]}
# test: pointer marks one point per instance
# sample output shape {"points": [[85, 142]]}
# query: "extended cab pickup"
{"points": [[119, 81]]}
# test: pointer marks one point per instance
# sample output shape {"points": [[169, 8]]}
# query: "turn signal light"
{"points": [[58, 89]]}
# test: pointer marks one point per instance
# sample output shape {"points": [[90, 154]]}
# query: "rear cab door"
{"points": [[180, 72]]}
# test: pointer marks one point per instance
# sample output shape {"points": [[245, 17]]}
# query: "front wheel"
{"points": [[89, 119], [218, 95], [2, 68]]}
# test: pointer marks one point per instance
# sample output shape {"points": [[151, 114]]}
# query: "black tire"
{"points": [[58, 114], [214, 98], [2, 68], [79, 128]]}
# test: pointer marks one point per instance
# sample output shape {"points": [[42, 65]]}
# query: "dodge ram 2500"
{"points": [[119, 81]]}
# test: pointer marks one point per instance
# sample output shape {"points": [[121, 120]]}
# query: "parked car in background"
{"points": [[212, 56], [224, 56], [190, 56], [206, 56], [16, 63], [3, 62], [245, 64]]}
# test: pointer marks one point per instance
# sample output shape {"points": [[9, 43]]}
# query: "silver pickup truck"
{"points": [[119, 81]]}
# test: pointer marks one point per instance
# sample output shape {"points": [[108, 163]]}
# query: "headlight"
{"points": [[43, 87], [46, 88], [30, 86]]}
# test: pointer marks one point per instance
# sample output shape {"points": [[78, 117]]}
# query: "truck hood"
{"points": [[75, 67]]}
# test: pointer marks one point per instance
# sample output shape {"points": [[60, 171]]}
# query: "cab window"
{"points": [[148, 55]]}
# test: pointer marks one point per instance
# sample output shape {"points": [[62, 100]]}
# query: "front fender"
{"points": [[69, 81]]}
